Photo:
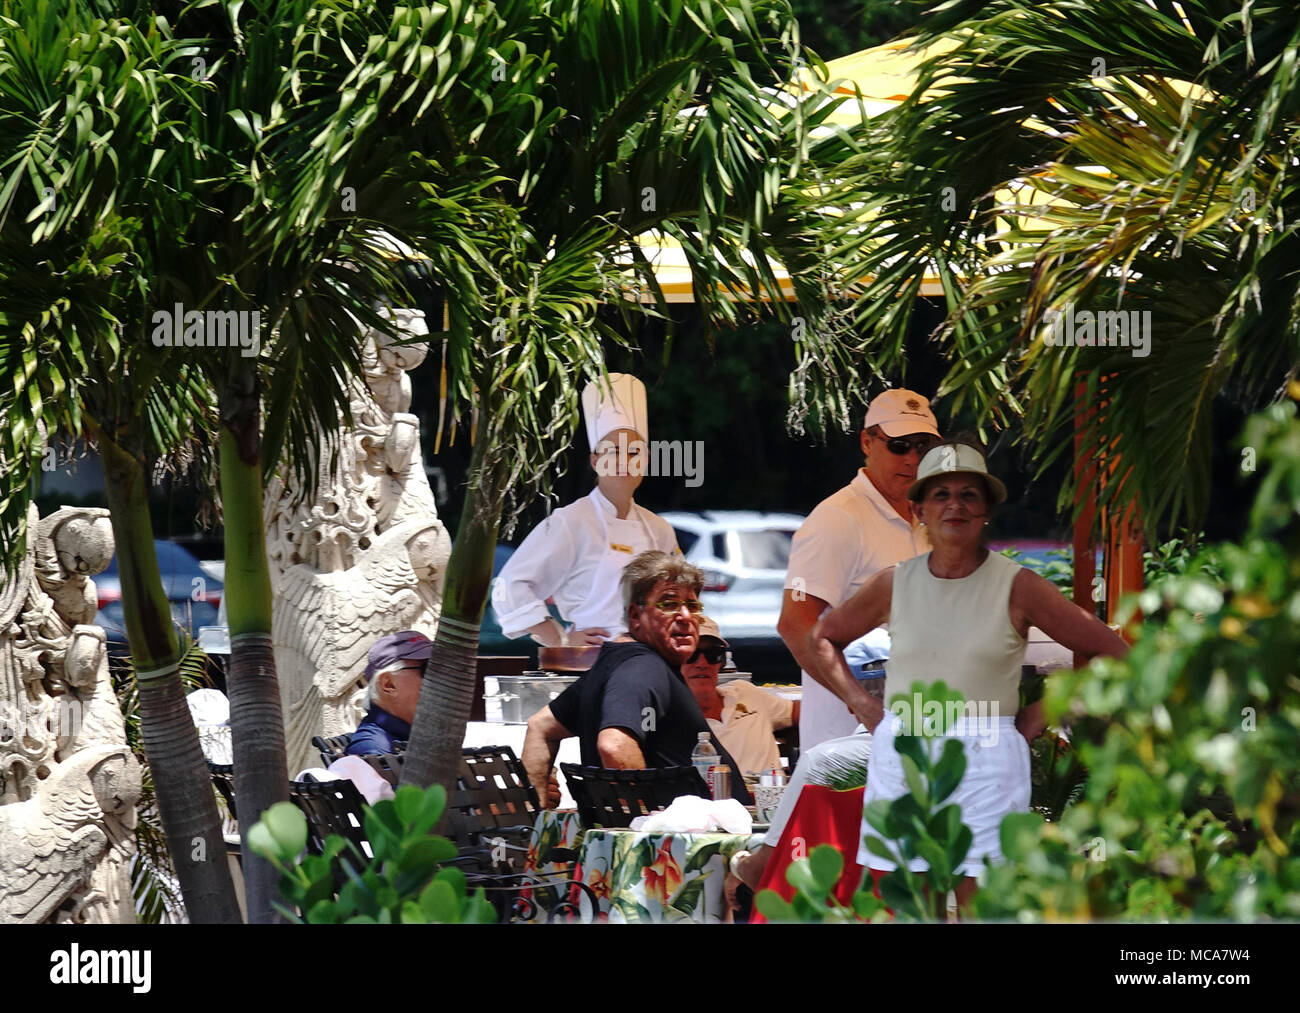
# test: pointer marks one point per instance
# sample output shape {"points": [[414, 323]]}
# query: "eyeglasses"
{"points": [[898, 445], [713, 655], [671, 605]]}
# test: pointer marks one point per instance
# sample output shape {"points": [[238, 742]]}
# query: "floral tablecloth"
{"points": [[638, 877], [659, 877], [554, 829]]}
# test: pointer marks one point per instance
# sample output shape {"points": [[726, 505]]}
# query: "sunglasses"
{"points": [[671, 605], [898, 445], [713, 655]]}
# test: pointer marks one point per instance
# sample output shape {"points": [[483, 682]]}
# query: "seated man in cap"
{"points": [[632, 710], [741, 715], [394, 672]]}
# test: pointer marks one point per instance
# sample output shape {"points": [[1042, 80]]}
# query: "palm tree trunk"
{"points": [[447, 693], [186, 803], [256, 719]]}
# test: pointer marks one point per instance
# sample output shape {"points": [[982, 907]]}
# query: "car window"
{"points": [[685, 539], [765, 550], [720, 546]]}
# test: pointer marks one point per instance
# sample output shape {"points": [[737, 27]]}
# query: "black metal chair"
{"points": [[386, 765], [223, 779], [333, 748], [494, 804], [614, 798], [331, 807], [787, 744]]}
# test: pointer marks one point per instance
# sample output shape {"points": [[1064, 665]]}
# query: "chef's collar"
{"points": [[606, 507]]}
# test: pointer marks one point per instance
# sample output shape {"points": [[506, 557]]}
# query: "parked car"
{"points": [[491, 641], [744, 555], [193, 594]]}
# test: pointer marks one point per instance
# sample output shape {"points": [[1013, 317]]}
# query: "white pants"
{"points": [[996, 782]]}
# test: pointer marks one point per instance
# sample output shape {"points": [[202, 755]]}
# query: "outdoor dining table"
{"points": [[636, 876]]}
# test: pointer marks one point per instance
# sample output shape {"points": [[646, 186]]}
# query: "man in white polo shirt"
{"points": [[851, 534]]}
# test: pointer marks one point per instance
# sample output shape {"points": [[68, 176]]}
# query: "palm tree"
{"points": [[273, 74], [650, 115], [1150, 169], [213, 231], [87, 107]]}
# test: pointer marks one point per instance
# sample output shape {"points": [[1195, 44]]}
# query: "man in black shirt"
{"points": [[633, 710]]}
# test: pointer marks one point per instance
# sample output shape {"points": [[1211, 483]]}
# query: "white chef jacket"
{"points": [[849, 536], [576, 556]]}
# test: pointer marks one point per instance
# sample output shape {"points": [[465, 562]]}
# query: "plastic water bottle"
{"points": [[705, 758]]}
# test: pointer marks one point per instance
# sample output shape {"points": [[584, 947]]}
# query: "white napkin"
{"points": [[691, 814]]}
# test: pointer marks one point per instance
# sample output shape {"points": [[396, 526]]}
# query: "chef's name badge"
{"points": [[621, 548]]}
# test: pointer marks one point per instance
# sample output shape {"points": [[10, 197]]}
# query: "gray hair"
{"points": [[648, 569], [372, 691]]}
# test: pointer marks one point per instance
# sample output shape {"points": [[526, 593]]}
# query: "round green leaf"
{"points": [[288, 828], [826, 864]]}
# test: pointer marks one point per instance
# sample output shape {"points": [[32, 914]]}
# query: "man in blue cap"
{"points": [[394, 672]]}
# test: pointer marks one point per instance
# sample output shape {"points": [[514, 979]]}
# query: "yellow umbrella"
{"points": [[884, 76]]}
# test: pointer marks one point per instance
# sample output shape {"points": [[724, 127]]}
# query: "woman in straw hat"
{"points": [[577, 555], [959, 613]]}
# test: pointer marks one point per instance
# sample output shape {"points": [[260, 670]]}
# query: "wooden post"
{"points": [[1124, 555], [1085, 498]]}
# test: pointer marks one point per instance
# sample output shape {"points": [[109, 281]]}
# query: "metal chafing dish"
{"points": [[513, 699]]}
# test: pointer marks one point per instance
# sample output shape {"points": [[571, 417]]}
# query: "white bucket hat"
{"points": [[955, 459]]}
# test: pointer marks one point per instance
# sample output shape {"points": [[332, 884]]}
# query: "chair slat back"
{"points": [[498, 787], [223, 779], [614, 798], [331, 807], [332, 748]]}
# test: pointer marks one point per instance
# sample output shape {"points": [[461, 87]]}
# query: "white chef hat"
{"points": [[619, 403]]}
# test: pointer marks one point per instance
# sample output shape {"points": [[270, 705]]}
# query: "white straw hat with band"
{"points": [[956, 459]]}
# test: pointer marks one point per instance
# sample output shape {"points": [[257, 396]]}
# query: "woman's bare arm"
{"points": [[1041, 604]]}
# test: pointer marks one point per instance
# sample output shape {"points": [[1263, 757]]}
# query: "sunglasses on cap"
{"points": [[900, 446], [713, 655]]}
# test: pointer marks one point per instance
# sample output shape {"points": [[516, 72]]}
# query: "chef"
{"points": [[578, 553]]}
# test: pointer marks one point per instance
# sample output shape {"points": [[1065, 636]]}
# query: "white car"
{"points": [[744, 555]]}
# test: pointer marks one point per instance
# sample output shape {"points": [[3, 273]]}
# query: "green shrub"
{"points": [[1191, 803], [404, 882]]}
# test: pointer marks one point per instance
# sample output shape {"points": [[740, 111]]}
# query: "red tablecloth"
{"points": [[821, 816]]}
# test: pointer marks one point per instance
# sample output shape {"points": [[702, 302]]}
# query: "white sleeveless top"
{"points": [[957, 630]]}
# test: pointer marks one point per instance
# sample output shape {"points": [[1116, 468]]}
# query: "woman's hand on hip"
{"points": [[867, 709], [1030, 721]]}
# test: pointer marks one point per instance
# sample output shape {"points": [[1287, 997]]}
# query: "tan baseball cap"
{"points": [[901, 412], [708, 628], [956, 459]]}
